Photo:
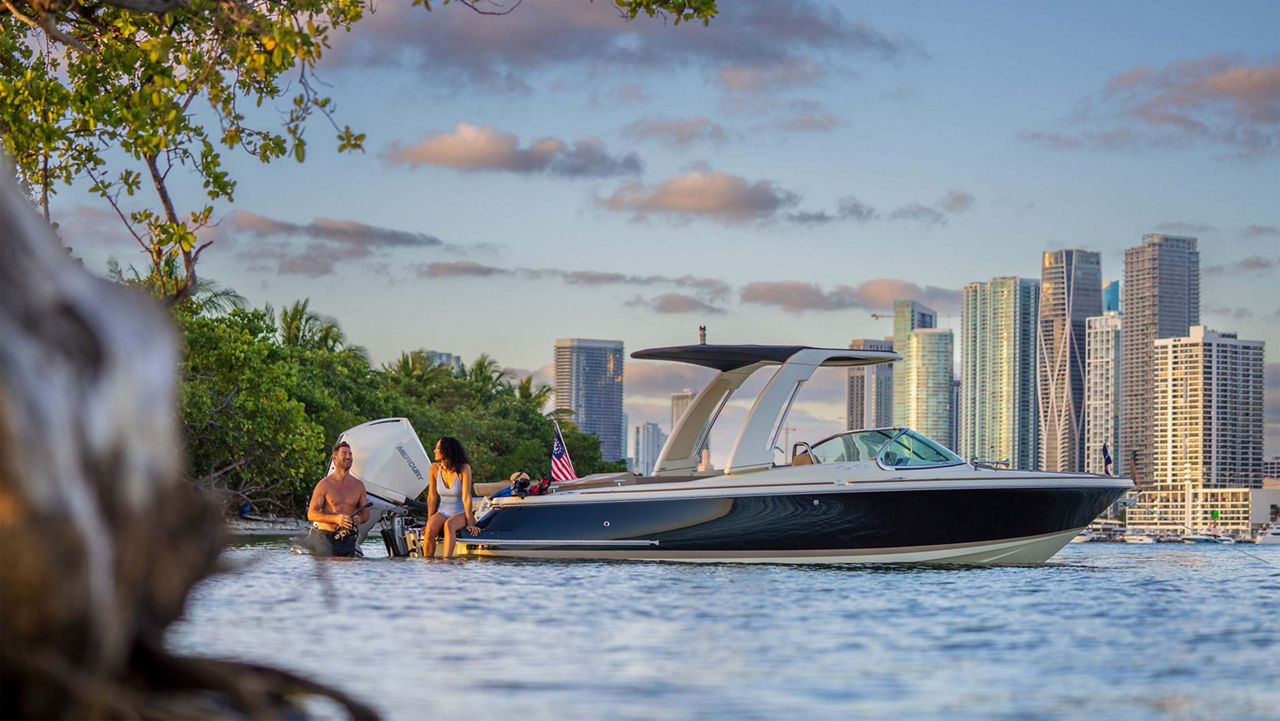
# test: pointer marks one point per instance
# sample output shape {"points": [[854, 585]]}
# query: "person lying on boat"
{"points": [[338, 505], [448, 497]]}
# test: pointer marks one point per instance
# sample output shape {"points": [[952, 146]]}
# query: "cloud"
{"points": [[877, 294], [1229, 312], [474, 148], [956, 201], [86, 226], [1216, 100], [1252, 264], [849, 208], [457, 46], [921, 213], [853, 210], [756, 78], [676, 133], [458, 269], [1181, 227], [702, 194], [325, 242], [709, 288], [674, 303], [1260, 231], [657, 379]]}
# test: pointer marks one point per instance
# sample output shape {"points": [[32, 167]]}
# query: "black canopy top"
{"points": [[729, 357]]}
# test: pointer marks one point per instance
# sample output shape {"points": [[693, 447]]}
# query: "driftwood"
{"points": [[102, 540]]}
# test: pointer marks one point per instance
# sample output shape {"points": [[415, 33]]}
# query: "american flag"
{"points": [[561, 466]]}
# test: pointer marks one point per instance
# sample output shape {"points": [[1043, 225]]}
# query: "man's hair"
{"points": [[340, 444], [454, 457]]}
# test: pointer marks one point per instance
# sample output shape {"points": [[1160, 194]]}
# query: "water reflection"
{"points": [[1102, 630]]}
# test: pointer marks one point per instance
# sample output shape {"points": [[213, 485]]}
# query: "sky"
{"points": [[781, 176]]}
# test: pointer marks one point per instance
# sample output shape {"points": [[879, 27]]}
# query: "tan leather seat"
{"points": [[800, 455]]}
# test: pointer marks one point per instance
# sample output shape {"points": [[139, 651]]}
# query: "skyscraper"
{"points": [[928, 392], [649, 440], [589, 383], [1161, 299], [1070, 292], [1207, 411], [679, 404], [1103, 334], [869, 389], [998, 326], [908, 315], [1111, 297]]}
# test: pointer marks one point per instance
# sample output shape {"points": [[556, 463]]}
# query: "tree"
{"points": [[303, 328], [80, 79]]}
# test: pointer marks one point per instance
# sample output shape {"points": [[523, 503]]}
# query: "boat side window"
{"points": [[852, 446], [912, 450]]}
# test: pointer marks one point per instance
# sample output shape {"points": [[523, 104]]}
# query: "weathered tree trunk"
{"points": [[101, 539]]}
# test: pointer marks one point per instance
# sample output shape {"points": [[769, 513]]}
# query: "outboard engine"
{"points": [[387, 455]]}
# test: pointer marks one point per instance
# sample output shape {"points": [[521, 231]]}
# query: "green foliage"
{"points": [[104, 90], [246, 435], [260, 412]]}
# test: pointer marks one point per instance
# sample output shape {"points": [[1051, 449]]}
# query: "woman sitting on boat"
{"points": [[448, 496]]}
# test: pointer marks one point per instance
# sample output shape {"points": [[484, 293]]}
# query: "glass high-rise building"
{"points": [[589, 383], [927, 390], [1070, 293], [1102, 344], [997, 416], [869, 389], [1111, 297], [1161, 299], [649, 440], [908, 315]]}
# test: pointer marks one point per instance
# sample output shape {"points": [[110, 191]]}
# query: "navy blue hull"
{"points": [[802, 522]]}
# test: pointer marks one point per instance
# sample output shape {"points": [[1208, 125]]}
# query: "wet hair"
{"points": [[452, 455], [340, 444]]}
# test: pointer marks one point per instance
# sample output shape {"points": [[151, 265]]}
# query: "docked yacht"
{"points": [[1269, 536], [874, 495]]}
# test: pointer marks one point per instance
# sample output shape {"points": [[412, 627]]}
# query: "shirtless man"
{"points": [[336, 498]]}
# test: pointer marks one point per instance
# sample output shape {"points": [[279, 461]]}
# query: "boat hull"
{"points": [[988, 525]]}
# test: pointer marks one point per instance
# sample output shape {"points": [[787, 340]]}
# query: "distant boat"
{"points": [[1269, 536], [1206, 538], [1084, 537], [1138, 538]]}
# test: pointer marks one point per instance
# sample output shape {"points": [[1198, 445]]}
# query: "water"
{"points": [[1103, 631]]}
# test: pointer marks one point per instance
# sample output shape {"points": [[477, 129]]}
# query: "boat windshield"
{"points": [[892, 447]]}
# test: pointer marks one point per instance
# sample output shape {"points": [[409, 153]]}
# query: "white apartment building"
{"points": [[1103, 338]]}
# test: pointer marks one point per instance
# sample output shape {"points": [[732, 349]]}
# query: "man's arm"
{"points": [[362, 516]]}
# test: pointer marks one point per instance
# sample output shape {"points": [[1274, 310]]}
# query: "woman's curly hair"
{"points": [[454, 457]]}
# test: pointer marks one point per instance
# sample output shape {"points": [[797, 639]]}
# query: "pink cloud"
{"points": [[720, 196], [474, 148]]}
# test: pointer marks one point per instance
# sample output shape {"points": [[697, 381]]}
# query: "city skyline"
{"points": [[559, 173]]}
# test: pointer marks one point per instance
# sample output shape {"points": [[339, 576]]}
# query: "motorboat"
{"points": [[1206, 538], [1138, 538], [870, 495], [1269, 536]]}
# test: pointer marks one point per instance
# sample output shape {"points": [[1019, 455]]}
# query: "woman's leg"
{"points": [[455, 522], [434, 525]]}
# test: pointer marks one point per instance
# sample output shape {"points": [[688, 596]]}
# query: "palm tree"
{"points": [[417, 368], [300, 327], [210, 298], [540, 395], [486, 376]]}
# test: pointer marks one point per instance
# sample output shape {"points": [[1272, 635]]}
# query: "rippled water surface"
{"points": [[1104, 630]]}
